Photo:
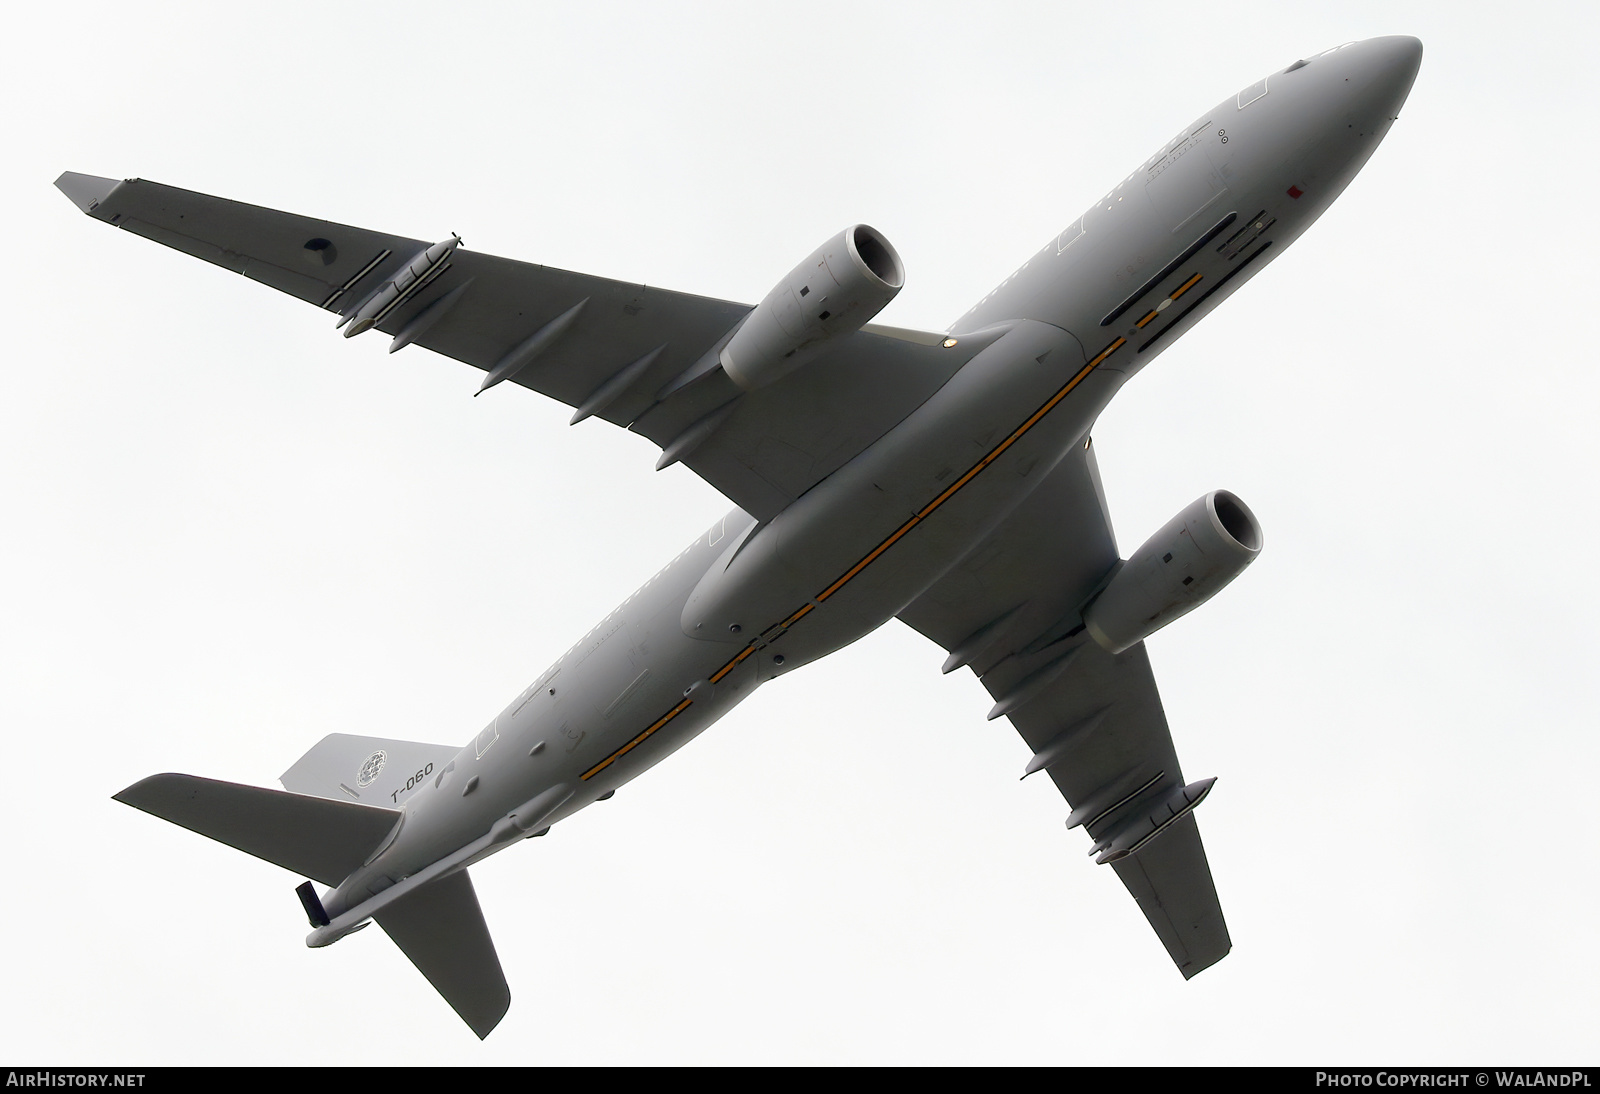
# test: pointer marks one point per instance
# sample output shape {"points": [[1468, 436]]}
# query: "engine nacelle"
{"points": [[1179, 568], [839, 288]]}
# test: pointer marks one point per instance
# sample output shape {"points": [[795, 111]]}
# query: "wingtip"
{"points": [[86, 191], [128, 794], [1194, 968], [484, 1022]]}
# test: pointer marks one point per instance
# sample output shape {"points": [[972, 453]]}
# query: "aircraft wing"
{"points": [[1009, 611], [616, 356]]}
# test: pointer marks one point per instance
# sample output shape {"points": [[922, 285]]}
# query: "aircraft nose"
{"points": [[1389, 67]]}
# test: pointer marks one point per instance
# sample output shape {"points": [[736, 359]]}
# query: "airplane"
{"points": [[944, 479]]}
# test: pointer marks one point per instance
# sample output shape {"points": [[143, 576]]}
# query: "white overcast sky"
{"points": [[227, 532]]}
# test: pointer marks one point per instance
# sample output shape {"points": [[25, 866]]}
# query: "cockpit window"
{"points": [[1252, 93]]}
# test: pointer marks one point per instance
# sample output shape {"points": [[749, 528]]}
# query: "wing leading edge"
{"points": [[612, 349], [1093, 720]]}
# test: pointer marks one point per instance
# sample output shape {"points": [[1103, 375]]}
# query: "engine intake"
{"points": [[1179, 568], [844, 283]]}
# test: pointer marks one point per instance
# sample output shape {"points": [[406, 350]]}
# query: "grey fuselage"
{"points": [[743, 604]]}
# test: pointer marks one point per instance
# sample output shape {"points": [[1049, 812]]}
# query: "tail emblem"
{"points": [[369, 770]]}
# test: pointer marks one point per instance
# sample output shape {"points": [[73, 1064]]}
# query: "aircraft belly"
{"points": [[722, 618], [917, 560], [873, 536], [600, 699]]}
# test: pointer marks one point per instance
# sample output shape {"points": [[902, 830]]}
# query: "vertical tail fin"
{"points": [[441, 929], [368, 770]]}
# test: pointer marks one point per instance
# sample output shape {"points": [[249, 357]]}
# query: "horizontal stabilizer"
{"points": [[313, 837], [441, 929], [369, 770]]}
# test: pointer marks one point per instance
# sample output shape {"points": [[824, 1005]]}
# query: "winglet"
{"points": [[86, 191]]}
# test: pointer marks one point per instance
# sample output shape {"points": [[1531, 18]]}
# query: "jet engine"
{"points": [[1179, 568], [839, 288]]}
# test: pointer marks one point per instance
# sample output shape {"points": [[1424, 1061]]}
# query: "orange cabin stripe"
{"points": [[893, 538]]}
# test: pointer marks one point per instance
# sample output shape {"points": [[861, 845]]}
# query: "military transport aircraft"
{"points": [[945, 479]]}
